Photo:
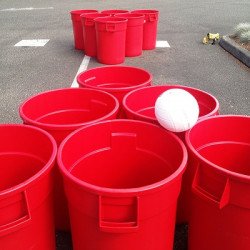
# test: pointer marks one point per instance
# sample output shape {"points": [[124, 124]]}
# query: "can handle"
{"points": [[152, 17], [221, 200], [89, 22], [90, 79], [110, 27], [21, 217], [118, 214]]}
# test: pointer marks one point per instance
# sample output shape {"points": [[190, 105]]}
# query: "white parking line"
{"points": [[162, 44], [32, 43], [83, 67], [86, 59], [28, 8]]}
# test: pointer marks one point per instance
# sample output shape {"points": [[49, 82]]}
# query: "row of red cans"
{"points": [[105, 93], [111, 35], [108, 211]]}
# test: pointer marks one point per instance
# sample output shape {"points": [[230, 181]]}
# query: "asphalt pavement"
{"points": [[26, 71]]}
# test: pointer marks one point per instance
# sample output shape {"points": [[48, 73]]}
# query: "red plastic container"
{"points": [[122, 186], [114, 12], [139, 105], [117, 80], [89, 32], [110, 39], [134, 33], [220, 155], [27, 156], [150, 28], [77, 27], [60, 112]]}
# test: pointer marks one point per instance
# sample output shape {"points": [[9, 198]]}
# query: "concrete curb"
{"points": [[232, 47]]}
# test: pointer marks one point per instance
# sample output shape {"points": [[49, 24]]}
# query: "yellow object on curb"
{"points": [[210, 37]]}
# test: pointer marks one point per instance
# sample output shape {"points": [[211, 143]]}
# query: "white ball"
{"points": [[176, 110]]}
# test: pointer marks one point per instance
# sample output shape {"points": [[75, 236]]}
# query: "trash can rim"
{"points": [[49, 126], [81, 11], [232, 174], [82, 83], [49, 164], [174, 86], [115, 191]]}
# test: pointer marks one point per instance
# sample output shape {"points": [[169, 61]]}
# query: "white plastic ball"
{"points": [[176, 110]]}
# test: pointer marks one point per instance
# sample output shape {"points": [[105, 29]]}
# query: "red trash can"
{"points": [[60, 112], [110, 39], [149, 28], [122, 185], [139, 104], [27, 156], [113, 12], [117, 80], [77, 27], [219, 152], [89, 32], [134, 33]]}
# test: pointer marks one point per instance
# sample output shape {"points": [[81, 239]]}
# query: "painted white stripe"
{"points": [[28, 8], [83, 67], [162, 44], [32, 43]]}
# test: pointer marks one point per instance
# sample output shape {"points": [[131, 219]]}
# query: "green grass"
{"points": [[240, 29], [245, 37]]}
